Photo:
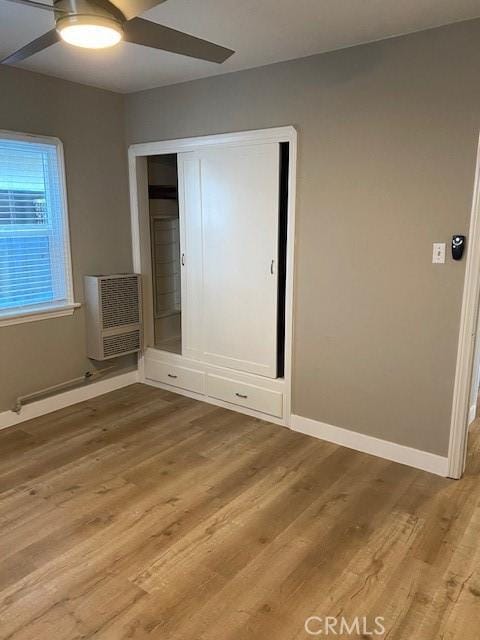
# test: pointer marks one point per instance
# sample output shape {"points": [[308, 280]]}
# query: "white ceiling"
{"points": [[260, 32]]}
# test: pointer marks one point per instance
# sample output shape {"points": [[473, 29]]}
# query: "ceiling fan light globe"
{"points": [[90, 32]]}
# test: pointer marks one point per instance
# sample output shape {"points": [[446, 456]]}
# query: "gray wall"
{"points": [[387, 141], [90, 124]]}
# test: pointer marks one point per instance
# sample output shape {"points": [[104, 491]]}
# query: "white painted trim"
{"points": [[290, 273], [67, 398], [66, 221], [41, 313], [374, 446], [134, 213], [457, 449], [472, 412], [276, 134]]}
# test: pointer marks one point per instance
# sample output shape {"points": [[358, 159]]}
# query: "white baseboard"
{"points": [[67, 398], [374, 446], [472, 412]]}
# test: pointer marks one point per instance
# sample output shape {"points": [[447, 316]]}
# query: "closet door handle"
{"points": [[170, 375], [183, 259], [272, 267], [240, 395]]}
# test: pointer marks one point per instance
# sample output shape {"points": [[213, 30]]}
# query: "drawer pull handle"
{"points": [[170, 375], [240, 395]]}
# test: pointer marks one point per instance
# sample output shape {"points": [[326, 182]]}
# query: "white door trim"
{"points": [[276, 134], [457, 449]]}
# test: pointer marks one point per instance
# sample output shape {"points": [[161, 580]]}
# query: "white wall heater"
{"points": [[114, 315]]}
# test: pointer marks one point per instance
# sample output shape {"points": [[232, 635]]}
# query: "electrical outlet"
{"points": [[438, 253]]}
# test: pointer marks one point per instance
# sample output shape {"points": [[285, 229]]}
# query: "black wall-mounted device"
{"points": [[458, 246]]}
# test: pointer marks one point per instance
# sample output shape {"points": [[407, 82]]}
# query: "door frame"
{"points": [[137, 153], [467, 341]]}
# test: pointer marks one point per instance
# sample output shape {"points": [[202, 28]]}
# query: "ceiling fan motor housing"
{"points": [[71, 12]]}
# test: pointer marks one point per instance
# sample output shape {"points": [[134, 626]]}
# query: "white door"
{"points": [[232, 248], [191, 250]]}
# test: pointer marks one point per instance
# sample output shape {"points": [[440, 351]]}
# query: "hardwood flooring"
{"points": [[146, 515]]}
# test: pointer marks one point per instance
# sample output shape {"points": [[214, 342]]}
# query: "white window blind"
{"points": [[34, 246]]}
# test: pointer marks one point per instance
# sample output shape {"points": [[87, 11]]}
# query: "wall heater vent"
{"points": [[114, 315], [121, 343]]}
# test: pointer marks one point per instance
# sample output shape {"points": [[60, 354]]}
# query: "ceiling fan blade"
{"points": [[151, 34], [49, 38], [38, 5], [133, 8]]}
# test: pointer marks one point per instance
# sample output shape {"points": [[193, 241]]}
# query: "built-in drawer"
{"points": [[182, 377], [245, 395]]}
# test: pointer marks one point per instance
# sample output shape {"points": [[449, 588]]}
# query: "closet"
{"points": [[218, 247]]}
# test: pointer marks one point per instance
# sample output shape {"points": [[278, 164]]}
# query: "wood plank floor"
{"points": [[143, 514]]}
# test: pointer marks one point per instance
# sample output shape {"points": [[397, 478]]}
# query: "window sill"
{"points": [[39, 313]]}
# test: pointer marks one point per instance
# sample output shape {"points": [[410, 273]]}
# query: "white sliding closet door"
{"points": [[230, 234], [240, 201], [191, 252]]}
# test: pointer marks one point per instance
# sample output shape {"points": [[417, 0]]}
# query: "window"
{"points": [[35, 273]]}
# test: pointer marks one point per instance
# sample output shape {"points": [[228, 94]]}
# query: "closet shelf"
{"points": [[164, 216], [168, 312], [162, 191]]}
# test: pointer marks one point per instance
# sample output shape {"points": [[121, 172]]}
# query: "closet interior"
{"points": [[165, 251]]}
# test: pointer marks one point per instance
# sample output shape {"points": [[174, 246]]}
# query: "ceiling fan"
{"points": [[97, 24]]}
